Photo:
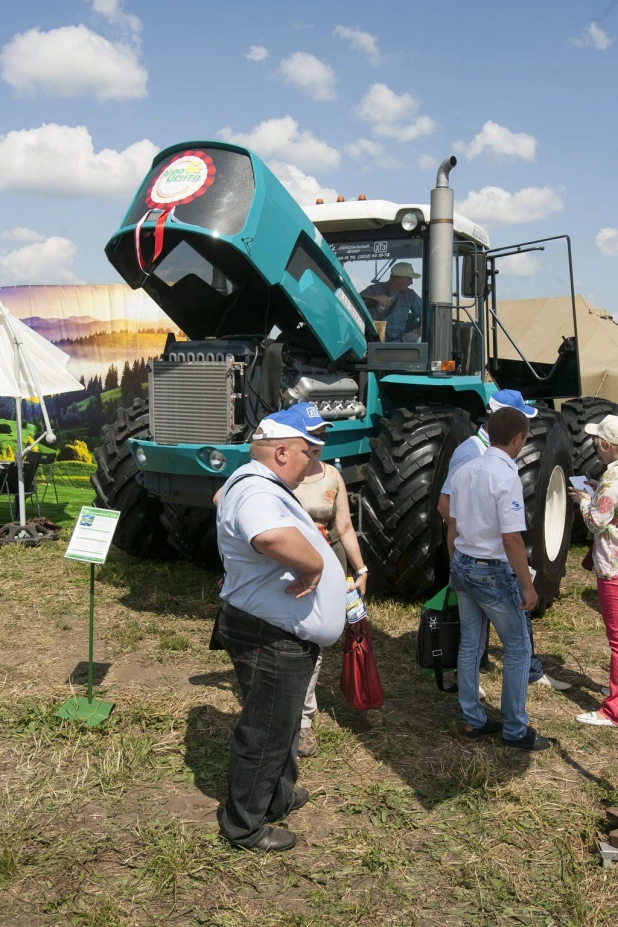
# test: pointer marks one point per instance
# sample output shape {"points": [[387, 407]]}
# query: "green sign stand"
{"points": [[90, 542]]}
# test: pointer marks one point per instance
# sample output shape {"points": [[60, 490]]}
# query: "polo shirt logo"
{"points": [[516, 505]]}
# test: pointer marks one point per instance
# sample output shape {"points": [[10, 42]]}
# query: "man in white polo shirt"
{"points": [[284, 596], [470, 449], [489, 573]]}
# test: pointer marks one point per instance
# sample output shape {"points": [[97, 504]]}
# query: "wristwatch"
{"points": [[362, 570]]}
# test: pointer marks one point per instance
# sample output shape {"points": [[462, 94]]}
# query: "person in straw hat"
{"points": [[394, 301]]}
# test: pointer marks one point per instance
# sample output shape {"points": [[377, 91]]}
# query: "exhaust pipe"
{"points": [[441, 265], [444, 170]]}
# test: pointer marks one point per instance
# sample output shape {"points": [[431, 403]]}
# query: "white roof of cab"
{"points": [[374, 214]]}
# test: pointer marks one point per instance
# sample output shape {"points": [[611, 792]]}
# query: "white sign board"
{"points": [[92, 535]]}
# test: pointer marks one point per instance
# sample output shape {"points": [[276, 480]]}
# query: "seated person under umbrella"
{"points": [[394, 301]]}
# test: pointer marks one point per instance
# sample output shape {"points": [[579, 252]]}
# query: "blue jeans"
{"points": [[273, 668], [536, 667], [490, 591]]}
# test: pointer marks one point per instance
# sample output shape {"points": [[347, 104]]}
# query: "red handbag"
{"points": [[360, 680]]}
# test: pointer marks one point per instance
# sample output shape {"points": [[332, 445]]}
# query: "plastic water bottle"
{"points": [[338, 466], [355, 605]]}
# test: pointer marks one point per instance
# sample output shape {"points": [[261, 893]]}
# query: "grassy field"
{"points": [[74, 490], [111, 395], [28, 431], [408, 824]]}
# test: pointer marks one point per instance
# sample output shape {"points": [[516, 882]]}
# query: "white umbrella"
{"points": [[30, 368]]}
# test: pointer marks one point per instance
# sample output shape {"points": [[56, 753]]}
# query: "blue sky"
{"points": [[337, 97]]}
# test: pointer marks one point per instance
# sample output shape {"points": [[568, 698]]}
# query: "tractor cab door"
{"points": [[530, 317]]}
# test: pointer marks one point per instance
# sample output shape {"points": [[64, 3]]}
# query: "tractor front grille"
{"points": [[191, 402]]}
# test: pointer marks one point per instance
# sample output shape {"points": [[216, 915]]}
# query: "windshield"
{"points": [[387, 272]]}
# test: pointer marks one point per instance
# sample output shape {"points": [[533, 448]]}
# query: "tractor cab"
{"points": [[371, 237]]}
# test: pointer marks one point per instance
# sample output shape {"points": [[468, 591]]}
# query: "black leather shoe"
{"points": [[301, 797], [275, 840], [490, 727], [532, 741]]}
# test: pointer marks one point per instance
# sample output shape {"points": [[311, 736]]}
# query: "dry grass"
{"points": [[408, 824]]}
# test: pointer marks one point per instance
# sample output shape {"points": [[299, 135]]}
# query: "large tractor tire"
{"points": [[545, 465], [192, 532], [403, 535], [139, 530], [577, 413]]}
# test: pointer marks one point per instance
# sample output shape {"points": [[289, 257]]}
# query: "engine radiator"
{"points": [[191, 402]]}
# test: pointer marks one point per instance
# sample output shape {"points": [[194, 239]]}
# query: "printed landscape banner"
{"points": [[109, 332]]}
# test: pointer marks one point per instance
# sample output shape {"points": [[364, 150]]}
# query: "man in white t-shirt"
{"points": [[284, 596], [489, 573], [471, 449]]}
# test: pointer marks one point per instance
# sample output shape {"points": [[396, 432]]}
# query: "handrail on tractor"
{"points": [[518, 249]]}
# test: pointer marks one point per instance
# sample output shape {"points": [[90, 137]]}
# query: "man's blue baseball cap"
{"points": [[299, 421], [511, 398]]}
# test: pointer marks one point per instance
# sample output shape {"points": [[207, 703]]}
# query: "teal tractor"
{"points": [[267, 298]]}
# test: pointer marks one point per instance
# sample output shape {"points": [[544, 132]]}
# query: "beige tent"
{"points": [[537, 325]]}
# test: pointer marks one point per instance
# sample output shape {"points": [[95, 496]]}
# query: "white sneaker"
{"points": [[546, 680], [592, 717], [482, 694], [604, 690]]}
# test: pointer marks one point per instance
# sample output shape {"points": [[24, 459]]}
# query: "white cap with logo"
{"points": [[607, 429]]}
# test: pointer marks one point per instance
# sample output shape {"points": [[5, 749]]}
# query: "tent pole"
{"points": [[19, 460]]}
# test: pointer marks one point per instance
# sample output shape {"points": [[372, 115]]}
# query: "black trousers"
{"points": [[273, 668]]}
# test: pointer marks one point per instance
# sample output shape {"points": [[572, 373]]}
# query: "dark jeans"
{"points": [[273, 668]]}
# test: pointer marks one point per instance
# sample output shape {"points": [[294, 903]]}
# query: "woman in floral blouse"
{"points": [[600, 514]]}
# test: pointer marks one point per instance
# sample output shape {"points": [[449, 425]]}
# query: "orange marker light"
{"points": [[341, 199], [448, 366], [319, 202], [362, 196]]}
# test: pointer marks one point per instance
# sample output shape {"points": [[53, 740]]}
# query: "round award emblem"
{"points": [[184, 178]]}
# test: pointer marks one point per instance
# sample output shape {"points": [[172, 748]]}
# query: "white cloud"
{"points": [[21, 233], [426, 162], [367, 149], [48, 261], [607, 242], [309, 74], [391, 114], [257, 53], [363, 42], [281, 139], [61, 161], [498, 206], [113, 12], [72, 62], [594, 37], [498, 140], [424, 125], [518, 265], [303, 187], [382, 105]]}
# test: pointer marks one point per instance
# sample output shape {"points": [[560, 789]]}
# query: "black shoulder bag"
{"points": [[439, 633], [437, 642]]}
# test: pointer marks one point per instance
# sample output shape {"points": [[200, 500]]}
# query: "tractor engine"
{"points": [[216, 391]]}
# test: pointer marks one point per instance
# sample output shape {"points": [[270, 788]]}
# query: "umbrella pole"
{"points": [[19, 460]]}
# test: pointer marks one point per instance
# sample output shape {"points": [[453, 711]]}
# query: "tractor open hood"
{"points": [[223, 248]]}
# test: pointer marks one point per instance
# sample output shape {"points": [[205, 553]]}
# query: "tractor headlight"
{"points": [[409, 221], [140, 455], [217, 460]]}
